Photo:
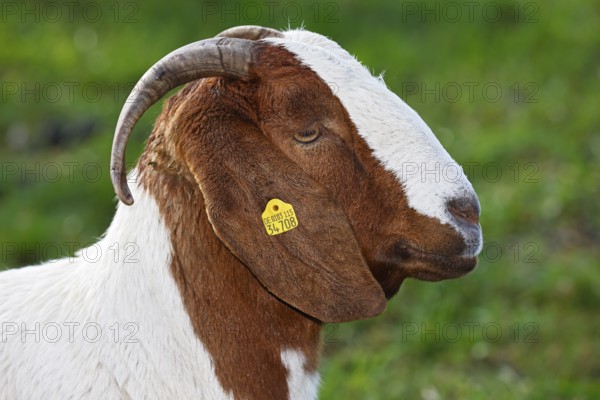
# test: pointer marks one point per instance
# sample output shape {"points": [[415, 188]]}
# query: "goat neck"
{"points": [[260, 347]]}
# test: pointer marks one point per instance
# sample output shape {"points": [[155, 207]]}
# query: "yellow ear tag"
{"points": [[279, 217]]}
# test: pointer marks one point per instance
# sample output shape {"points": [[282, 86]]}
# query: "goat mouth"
{"points": [[430, 266], [402, 261]]}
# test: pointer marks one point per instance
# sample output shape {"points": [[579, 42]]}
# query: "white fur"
{"points": [[164, 359], [302, 385], [396, 134]]}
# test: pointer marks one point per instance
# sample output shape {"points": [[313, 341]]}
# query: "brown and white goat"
{"points": [[209, 305]]}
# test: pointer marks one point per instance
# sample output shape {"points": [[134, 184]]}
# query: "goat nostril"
{"points": [[466, 209]]}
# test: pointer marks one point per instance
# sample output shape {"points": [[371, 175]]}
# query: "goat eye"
{"points": [[308, 136]]}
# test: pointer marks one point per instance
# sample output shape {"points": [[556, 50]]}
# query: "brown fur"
{"points": [[219, 152]]}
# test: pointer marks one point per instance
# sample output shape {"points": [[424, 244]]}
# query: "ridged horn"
{"points": [[231, 58], [250, 32]]}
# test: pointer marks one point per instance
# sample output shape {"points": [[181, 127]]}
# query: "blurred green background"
{"points": [[512, 89]]}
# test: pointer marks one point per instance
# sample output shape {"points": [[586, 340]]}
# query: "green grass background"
{"points": [[524, 325]]}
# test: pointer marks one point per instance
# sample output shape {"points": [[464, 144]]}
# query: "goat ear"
{"points": [[316, 267]]}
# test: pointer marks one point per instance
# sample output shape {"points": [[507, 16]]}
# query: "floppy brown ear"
{"points": [[317, 267]]}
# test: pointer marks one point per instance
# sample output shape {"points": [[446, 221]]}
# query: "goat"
{"points": [[272, 197]]}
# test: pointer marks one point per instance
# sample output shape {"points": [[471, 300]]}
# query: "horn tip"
{"points": [[126, 197], [119, 181], [123, 192]]}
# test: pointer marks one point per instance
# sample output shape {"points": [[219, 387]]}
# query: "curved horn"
{"points": [[231, 58], [250, 32]]}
